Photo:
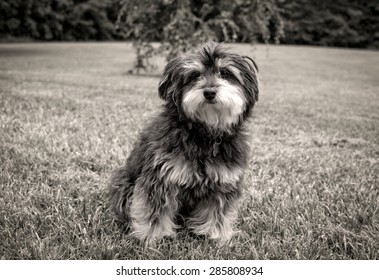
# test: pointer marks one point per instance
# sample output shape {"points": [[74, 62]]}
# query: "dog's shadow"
{"points": [[123, 227]]}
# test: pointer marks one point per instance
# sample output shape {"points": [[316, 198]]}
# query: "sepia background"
{"points": [[78, 81]]}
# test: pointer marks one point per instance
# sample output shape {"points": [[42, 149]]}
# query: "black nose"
{"points": [[209, 94]]}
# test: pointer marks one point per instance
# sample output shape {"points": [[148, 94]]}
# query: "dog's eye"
{"points": [[192, 77], [224, 74]]}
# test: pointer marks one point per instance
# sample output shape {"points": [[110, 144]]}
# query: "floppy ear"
{"points": [[254, 69], [167, 84], [252, 65], [164, 85]]}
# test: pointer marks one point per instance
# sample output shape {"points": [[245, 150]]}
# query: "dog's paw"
{"points": [[151, 233]]}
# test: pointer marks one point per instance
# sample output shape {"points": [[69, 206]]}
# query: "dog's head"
{"points": [[212, 86]]}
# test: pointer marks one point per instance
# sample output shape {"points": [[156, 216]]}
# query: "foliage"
{"points": [[344, 23], [58, 19], [182, 24]]}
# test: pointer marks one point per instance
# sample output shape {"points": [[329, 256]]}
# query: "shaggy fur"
{"points": [[188, 163]]}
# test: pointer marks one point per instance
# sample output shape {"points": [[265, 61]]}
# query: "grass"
{"points": [[70, 113]]}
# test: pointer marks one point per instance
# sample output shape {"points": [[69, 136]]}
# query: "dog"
{"points": [[187, 166]]}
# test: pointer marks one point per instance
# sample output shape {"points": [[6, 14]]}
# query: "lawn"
{"points": [[70, 113]]}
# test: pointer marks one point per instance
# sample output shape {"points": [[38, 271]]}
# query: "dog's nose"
{"points": [[209, 94]]}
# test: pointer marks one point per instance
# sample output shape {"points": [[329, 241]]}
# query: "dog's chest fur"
{"points": [[190, 173], [199, 164]]}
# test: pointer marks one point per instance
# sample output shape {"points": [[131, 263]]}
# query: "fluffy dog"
{"points": [[188, 163]]}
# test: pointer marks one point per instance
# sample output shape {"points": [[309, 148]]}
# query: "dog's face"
{"points": [[211, 86]]}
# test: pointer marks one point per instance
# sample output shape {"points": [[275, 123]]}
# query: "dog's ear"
{"points": [[167, 84], [253, 68], [251, 63]]}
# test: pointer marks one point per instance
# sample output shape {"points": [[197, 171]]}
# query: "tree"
{"points": [[343, 23], [88, 20], [182, 24], [58, 19]]}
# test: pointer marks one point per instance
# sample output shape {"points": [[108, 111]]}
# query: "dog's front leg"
{"points": [[215, 216], [153, 209]]}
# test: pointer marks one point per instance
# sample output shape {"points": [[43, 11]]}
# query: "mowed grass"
{"points": [[70, 113]]}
